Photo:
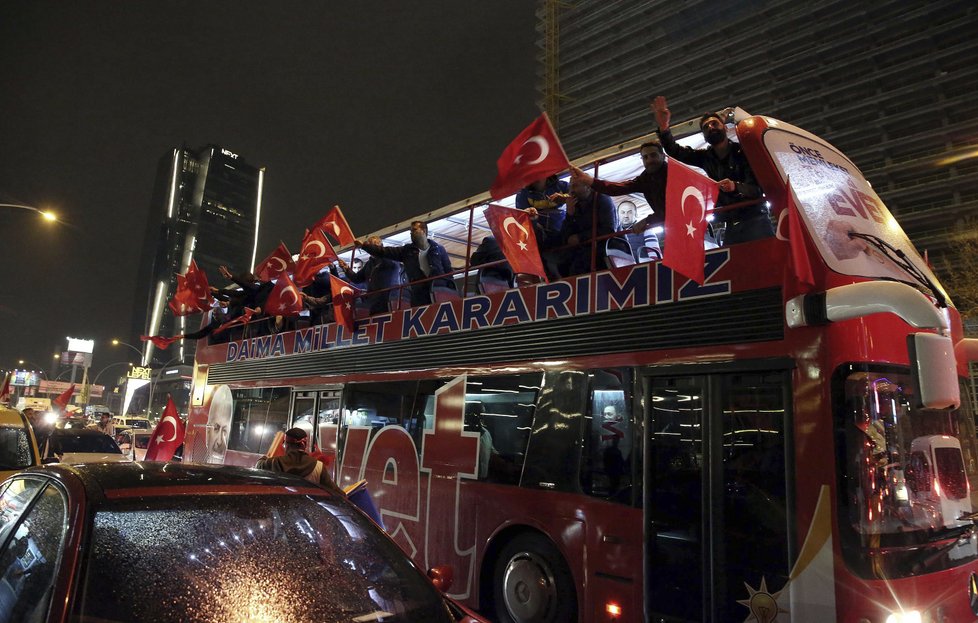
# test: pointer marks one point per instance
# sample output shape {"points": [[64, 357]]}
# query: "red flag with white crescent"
{"points": [[62, 401], [167, 436], [316, 254], [279, 260], [344, 301], [336, 227], [192, 294], [689, 197], [5, 389], [284, 299], [534, 154], [244, 318], [160, 341], [514, 233]]}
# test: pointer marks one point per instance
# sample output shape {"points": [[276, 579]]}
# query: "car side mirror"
{"points": [[442, 577]]}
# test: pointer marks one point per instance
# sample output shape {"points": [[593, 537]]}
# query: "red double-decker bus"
{"points": [[630, 445]]}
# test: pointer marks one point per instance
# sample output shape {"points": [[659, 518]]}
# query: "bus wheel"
{"points": [[532, 583]]}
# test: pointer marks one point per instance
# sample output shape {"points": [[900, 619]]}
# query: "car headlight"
{"points": [[907, 616], [50, 417]]}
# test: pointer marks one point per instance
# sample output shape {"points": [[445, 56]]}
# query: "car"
{"points": [[126, 421], [125, 437], [178, 542], [18, 447], [81, 445]]}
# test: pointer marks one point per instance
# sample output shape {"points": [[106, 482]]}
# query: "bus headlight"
{"points": [[908, 616]]}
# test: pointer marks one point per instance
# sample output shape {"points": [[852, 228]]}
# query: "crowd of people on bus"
{"points": [[568, 216]]}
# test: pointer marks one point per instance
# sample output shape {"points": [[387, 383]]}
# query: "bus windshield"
{"points": [[906, 478]]}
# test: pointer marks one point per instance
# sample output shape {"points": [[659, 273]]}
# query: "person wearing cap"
{"points": [[297, 460], [725, 162]]}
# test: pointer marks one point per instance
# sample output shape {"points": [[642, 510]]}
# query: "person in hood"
{"points": [[725, 162], [297, 460]]}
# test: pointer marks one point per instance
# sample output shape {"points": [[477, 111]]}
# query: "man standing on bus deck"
{"points": [[296, 460], [725, 162], [422, 258]]}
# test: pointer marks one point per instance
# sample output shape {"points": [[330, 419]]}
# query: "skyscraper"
{"points": [[206, 206]]}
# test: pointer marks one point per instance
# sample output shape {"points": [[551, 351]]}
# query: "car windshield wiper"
{"points": [[900, 258], [928, 556]]}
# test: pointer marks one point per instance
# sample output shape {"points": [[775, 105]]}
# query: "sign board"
{"points": [[81, 346], [60, 387], [137, 372]]}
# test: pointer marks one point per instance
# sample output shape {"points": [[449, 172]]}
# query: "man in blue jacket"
{"points": [[423, 258]]}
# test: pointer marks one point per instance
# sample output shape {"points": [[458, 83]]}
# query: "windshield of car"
{"points": [[101, 444], [284, 558], [907, 477], [15, 448]]}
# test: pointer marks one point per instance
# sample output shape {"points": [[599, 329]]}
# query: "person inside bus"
{"points": [[379, 273], [489, 252], [544, 200], [475, 421], [423, 258], [725, 162], [297, 460], [578, 228]]}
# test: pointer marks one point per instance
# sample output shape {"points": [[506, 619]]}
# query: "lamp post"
{"points": [[116, 342], [47, 215], [152, 384]]}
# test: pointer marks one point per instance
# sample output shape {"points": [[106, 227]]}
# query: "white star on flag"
{"points": [[690, 230], [522, 245]]}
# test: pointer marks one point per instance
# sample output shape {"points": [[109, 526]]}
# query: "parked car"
{"points": [[171, 542], [18, 448], [125, 438], [81, 445]]}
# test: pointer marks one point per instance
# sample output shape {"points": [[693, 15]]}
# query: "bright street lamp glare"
{"points": [[49, 216], [115, 342]]}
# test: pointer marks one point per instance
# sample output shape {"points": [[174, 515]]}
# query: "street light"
{"points": [[23, 362], [118, 363], [47, 215], [121, 343]]}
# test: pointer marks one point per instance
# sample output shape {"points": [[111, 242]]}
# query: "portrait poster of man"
{"points": [[219, 424]]}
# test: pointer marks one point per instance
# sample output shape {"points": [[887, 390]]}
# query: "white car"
{"points": [[125, 438], [81, 445], [139, 423]]}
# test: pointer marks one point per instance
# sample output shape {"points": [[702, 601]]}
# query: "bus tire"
{"points": [[532, 583]]}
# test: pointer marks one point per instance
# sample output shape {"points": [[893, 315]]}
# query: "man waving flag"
{"points": [[517, 240], [689, 197], [534, 154]]}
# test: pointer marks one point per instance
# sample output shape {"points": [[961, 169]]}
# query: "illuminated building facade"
{"points": [[206, 207]]}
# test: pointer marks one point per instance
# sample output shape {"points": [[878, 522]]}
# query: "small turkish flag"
{"points": [[689, 196], [280, 260], [159, 341], [192, 294], [284, 299], [344, 300], [796, 240], [62, 401], [514, 233], [197, 282], [336, 227], [244, 318], [534, 154], [316, 254], [167, 436]]}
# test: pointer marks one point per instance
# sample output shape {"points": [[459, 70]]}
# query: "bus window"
{"points": [[607, 448], [400, 403], [553, 450], [258, 415], [500, 409]]}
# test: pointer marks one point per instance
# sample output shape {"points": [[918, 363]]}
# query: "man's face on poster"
{"points": [[218, 424]]}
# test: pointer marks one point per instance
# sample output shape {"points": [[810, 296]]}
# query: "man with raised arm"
{"points": [[725, 162], [578, 228], [378, 274], [422, 258]]}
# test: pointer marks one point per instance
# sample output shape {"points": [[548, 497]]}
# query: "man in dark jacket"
{"points": [[379, 274], [423, 258], [578, 227], [296, 460]]}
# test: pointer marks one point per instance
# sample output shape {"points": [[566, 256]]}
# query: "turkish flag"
{"points": [[800, 261], [5, 389], [533, 155], [514, 233], [159, 341], [167, 436], [280, 260], [284, 299], [192, 294], [316, 254], [336, 227], [344, 300], [244, 318], [689, 197], [62, 401]]}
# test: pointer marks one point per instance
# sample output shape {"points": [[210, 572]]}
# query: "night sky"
{"points": [[389, 109]]}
